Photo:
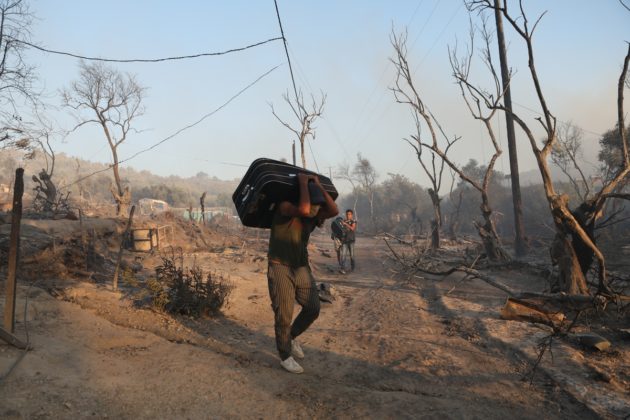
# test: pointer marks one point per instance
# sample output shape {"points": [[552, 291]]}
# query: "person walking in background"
{"points": [[289, 275], [338, 235], [351, 226]]}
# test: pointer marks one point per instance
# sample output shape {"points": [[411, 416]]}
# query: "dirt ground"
{"points": [[387, 347]]}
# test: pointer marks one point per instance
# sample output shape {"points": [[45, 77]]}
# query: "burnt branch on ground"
{"points": [[425, 263]]}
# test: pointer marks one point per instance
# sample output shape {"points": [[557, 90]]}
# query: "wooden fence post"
{"points": [[14, 251], [14, 254]]}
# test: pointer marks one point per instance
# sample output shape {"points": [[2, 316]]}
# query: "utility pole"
{"points": [[293, 150], [519, 239]]}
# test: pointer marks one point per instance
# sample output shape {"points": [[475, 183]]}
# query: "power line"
{"points": [[300, 71], [286, 50], [240, 92], [386, 68], [426, 22], [313, 154], [297, 97], [439, 36], [202, 118], [144, 60], [302, 75], [435, 41], [563, 122]]}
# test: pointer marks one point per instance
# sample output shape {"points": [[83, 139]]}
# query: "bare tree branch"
{"points": [[113, 100], [304, 129]]}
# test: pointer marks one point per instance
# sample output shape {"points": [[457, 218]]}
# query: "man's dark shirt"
{"points": [[350, 232], [289, 239]]}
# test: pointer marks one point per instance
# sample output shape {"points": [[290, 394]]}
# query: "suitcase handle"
{"points": [[245, 193]]}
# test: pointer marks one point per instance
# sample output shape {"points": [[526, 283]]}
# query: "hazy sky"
{"points": [[338, 47]]}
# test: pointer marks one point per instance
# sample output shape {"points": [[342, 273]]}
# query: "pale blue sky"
{"points": [[338, 47]]}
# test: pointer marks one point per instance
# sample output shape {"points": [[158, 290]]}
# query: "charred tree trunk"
{"points": [[46, 191], [202, 203], [453, 226], [520, 247], [573, 249], [122, 199], [370, 195], [489, 237], [436, 223], [416, 222], [584, 215], [571, 279], [302, 154], [122, 196]]}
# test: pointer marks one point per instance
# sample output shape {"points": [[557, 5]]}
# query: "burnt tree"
{"points": [[475, 103], [112, 100], [433, 166], [574, 245], [46, 198], [305, 117], [407, 92]]}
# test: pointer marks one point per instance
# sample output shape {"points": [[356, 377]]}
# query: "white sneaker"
{"points": [[296, 350], [291, 365]]}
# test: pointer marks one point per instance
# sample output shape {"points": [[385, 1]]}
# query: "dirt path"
{"points": [[383, 349]]}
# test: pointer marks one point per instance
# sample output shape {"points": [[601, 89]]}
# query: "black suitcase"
{"points": [[266, 183], [338, 229]]}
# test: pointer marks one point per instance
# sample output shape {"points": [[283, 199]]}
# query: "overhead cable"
{"points": [[209, 114], [145, 60], [286, 50]]}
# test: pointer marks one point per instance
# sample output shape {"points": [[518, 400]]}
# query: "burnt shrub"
{"points": [[188, 291]]}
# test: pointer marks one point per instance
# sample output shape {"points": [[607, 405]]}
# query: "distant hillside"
{"points": [[75, 175], [177, 191], [532, 177]]}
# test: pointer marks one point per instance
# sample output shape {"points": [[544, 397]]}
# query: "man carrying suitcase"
{"points": [[289, 275]]}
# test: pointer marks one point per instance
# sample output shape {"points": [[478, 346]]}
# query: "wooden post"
{"points": [[202, 201], [120, 251], [81, 227], [14, 251], [12, 340]]}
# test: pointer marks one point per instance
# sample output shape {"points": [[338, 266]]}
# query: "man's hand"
{"points": [[303, 177]]}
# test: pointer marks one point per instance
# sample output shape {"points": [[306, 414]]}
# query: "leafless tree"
{"points": [[475, 101], [343, 172], [566, 154], [366, 176], [305, 116], [456, 198], [40, 136], [574, 245], [112, 100], [78, 175], [406, 92], [409, 94], [430, 151], [16, 76]]}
